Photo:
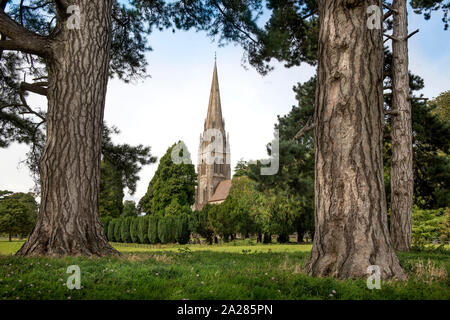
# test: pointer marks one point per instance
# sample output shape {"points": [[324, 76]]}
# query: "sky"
{"points": [[171, 105]]}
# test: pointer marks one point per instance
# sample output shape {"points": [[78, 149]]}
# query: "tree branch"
{"points": [[22, 39], [418, 98], [19, 46], [63, 4], [40, 78], [232, 23], [399, 39], [188, 11], [21, 12], [412, 33], [392, 112], [390, 8], [308, 127], [391, 37], [12, 105], [38, 87], [26, 106], [387, 14], [39, 6]]}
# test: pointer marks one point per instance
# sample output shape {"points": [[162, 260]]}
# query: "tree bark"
{"points": [[300, 235], [351, 231], [68, 221], [283, 238], [402, 178]]}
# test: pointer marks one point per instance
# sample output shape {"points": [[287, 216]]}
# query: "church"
{"points": [[213, 165]]}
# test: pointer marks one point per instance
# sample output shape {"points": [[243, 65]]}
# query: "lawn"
{"points": [[239, 270]]}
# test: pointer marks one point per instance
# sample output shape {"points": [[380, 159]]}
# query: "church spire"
{"points": [[210, 175], [214, 117]]}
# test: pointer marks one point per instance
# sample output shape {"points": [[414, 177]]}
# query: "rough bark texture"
{"points": [[351, 230], [68, 221], [402, 179]]}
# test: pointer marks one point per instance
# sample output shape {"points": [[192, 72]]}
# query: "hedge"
{"points": [[117, 227], [153, 229], [110, 232], [430, 225], [183, 231], [149, 229], [134, 232], [125, 230], [105, 222], [166, 229], [142, 229]]}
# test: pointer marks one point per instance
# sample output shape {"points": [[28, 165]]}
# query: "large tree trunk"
{"points": [[300, 235], [402, 180], [351, 230], [68, 221]]}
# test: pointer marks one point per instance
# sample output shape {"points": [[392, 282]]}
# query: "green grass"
{"points": [[231, 247], [7, 247], [240, 270]]}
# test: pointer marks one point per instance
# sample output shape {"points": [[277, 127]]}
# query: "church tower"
{"points": [[213, 165]]}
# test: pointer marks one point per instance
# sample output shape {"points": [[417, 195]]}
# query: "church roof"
{"points": [[222, 191], [214, 117]]}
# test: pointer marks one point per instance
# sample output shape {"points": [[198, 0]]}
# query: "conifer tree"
{"points": [[143, 225], [118, 230], [125, 226], [134, 229], [153, 228], [171, 182], [111, 231]]}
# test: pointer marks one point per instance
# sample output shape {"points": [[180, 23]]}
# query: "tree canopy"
{"points": [[111, 190], [171, 182], [426, 7], [18, 212], [129, 209]]}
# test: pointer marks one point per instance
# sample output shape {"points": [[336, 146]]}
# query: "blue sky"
{"points": [[172, 104], [429, 53]]}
